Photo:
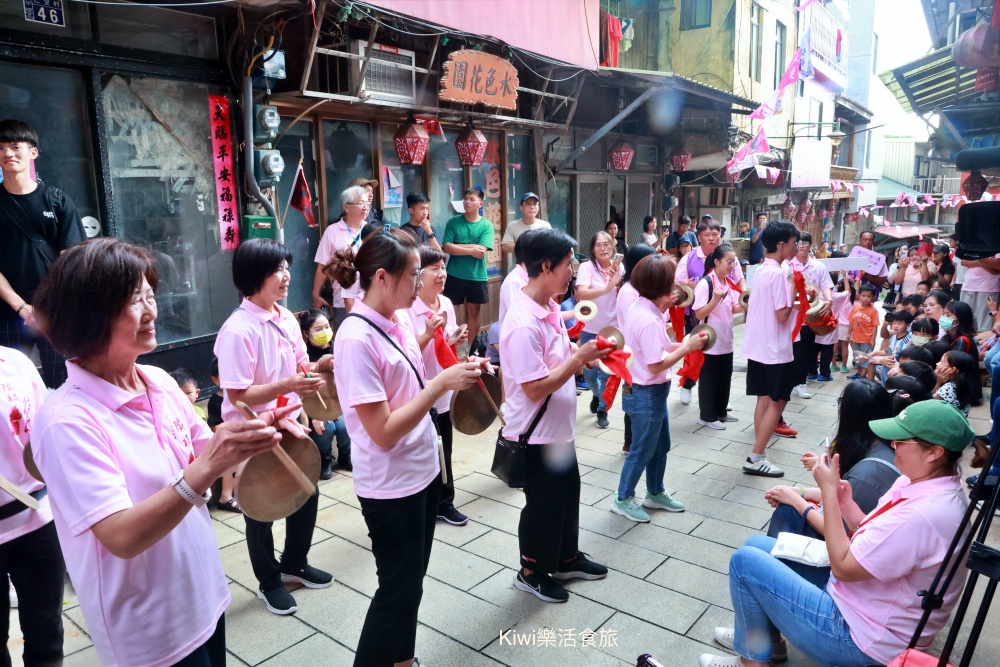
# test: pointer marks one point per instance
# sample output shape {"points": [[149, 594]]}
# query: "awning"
{"points": [[930, 83], [696, 94], [890, 189], [905, 230]]}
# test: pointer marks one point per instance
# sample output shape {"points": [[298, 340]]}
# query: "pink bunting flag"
{"points": [[791, 74], [834, 185], [929, 200], [849, 186], [864, 212], [768, 108], [804, 4]]}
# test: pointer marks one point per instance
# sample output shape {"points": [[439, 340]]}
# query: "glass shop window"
{"points": [[347, 148], [53, 102], [157, 29], [447, 180], [488, 177], [300, 238], [520, 177], [75, 14], [396, 180], [559, 191], [160, 150]]}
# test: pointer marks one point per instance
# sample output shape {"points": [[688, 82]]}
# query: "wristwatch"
{"points": [[189, 494]]}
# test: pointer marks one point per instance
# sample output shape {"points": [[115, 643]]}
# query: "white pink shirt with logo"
{"points": [[337, 236], [514, 281], [21, 394], [591, 276], [645, 331], [765, 339], [371, 370], [103, 450], [721, 317], [256, 347], [980, 280], [533, 342], [418, 314]]}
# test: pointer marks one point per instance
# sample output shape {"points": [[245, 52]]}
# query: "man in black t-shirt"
{"points": [[419, 223], [36, 224]]}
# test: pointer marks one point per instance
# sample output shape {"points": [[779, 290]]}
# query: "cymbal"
{"points": [[745, 299], [471, 412], [614, 335], [628, 364], [710, 331], [585, 311], [266, 491], [329, 408], [29, 463], [684, 295]]}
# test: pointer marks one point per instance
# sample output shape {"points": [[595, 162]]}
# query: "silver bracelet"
{"points": [[433, 397]]}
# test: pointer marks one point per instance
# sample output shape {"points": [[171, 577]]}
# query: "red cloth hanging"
{"points": [[800, 288], [576, 329], [677, 322], [617, 363], [691, 370], [614, 39], [445, 353]]}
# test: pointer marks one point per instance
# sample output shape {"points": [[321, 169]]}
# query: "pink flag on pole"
{"points": [[768, 108], [804, 4], [791, 72]]}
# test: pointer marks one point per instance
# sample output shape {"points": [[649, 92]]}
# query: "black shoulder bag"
{"points": [[510, 460], [22, 221]]}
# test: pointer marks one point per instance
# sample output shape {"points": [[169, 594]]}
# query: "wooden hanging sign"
{"points": [[474, 77]]}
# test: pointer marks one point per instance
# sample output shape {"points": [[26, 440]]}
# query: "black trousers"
{"points": [[713, 386], [402, 533], [804, 355], [549, 530], [447, 490], [14, 333], [298, 538], [212, 653], [36, 568], [825, 357]]}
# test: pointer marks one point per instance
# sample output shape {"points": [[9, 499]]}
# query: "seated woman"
{"points": [[866, 464], [867, 612]]}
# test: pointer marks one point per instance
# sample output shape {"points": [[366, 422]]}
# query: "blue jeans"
{"points": [[992, 360], [646, 406], [786, 519], [335, 428], [595, 377], [768, 596]]}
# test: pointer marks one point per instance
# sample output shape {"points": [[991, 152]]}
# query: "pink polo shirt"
{"points": [[981, 280], [591, 276], [103, 450], [337, 236], [255, 346], [370, 370], [721, 317], [902, 549], [626, 297], [533, 341], [514, 281], [645, 331], [21, 394], [815, 273], [765, 340], [417, 316]]}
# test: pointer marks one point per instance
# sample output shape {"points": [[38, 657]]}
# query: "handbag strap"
{"points": [[534, 422], [377, 328], [888, 464], [41, 245]]}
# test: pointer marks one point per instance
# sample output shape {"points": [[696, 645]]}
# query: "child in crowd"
{"points": [[227, 502], [899, 323], [188, 383], [914, 305], [862, 326], [318, 336], [952, 383], [684, 247], [843, 300], [922, 373], [923, 287], [923, 330]]}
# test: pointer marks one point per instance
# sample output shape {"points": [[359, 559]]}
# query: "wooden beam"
{"points": [[430, 64], [314, 40]]}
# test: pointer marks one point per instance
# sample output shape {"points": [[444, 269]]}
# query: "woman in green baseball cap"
{"points": [[870, 607]]}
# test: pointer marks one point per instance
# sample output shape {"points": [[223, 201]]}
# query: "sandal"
{"points": [[229, 506]]}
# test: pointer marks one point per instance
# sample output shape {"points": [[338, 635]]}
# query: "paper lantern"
{"points": [[975, 185], [772, 176], [787, 209], [621, 156], [679, 159], [733, 176], [471, 147], [411, 141]]}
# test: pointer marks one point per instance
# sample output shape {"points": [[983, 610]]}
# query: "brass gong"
{"points": [[264, 488], [471, 412], [329, 408], [29, 463]]}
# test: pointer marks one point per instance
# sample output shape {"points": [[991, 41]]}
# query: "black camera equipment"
{"points": [[978, 227]]}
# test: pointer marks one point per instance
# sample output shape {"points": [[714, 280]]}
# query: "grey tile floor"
{"points": [[668, 587]]}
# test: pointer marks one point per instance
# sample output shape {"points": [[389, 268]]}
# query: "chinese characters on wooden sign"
{"points": [[225, 179], [474, 77]]}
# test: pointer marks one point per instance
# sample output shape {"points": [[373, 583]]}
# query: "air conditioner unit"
{"points": [[384, 78]]}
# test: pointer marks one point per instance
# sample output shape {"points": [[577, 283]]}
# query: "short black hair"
{"points": [[916, 353], [254, 261], [14, 131], [900, 316], [415, 198], [707, 223], [776, 232], [865, 287], [183, 376], [609, 223], [925, 282], [921, 372], [473, 191], [926, 325], [213, 368], [913, 300], [546, 245], [937, 349], [520, 242], [805, 237]]}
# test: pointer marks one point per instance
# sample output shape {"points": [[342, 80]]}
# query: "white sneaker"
{"points": [[726, 636], [764, 468], [685, 396], [800, 391], [12, 594], [729, 407], [709, 660], [729, 419], [716, 425]]}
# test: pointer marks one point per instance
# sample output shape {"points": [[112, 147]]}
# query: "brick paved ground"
{"points": [[667, 589]]}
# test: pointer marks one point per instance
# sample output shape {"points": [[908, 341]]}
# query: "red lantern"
{"points": [[787, 209], [810, 217], [975, 185], [411, 142], [772, 176], [621, 156], [733, 176], [679, 159], [471, 147]]}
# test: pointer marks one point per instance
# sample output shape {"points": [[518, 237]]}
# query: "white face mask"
{"points": [[919, 341]]}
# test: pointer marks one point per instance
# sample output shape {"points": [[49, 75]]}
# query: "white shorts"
{"points": [[841, 332]]}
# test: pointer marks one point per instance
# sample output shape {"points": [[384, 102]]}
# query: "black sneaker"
{"points": [[602, 419], [344, 463], [308, 576], [594, 402], [542, 586], [581, 567], [326, 470], [278, 601], [452, 516]]}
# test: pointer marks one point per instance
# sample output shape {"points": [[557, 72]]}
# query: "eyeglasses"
{"points": [[357, 203], [604, 246], [897, 443], [16, 149]]}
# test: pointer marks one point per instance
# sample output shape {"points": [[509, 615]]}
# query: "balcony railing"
{"points": [[826, 35], [938, 185]]}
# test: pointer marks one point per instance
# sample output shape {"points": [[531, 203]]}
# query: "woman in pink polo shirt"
{"points": [[539, 364], [869, 609], [626, 297], [394, 447], [597, 281], [129, 465]]}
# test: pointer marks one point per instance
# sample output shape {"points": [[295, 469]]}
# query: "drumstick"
{"points": [[489, 398], [18, 494], [319, 396], [294, 470]]}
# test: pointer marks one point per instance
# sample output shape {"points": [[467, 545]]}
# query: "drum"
{"points": [[814, 321]]}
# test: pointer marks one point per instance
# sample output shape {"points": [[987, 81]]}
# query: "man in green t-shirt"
{"points": [[467, 239]]}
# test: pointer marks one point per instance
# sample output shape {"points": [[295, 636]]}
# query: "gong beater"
{"points": [[274, 484], [324, 405]]}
